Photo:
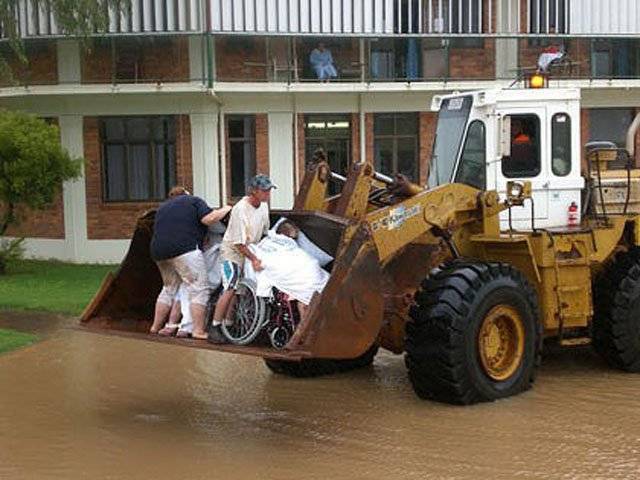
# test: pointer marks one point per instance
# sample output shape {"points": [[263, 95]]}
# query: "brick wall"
{"points": [[240, 58], [117, 220], [41, 68], [368, 137], [46, 223], [427, 129], [478, 63], [262, 143], [156, 60], [584, 137]]}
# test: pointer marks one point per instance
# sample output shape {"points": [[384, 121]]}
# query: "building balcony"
{"points": [[350, 17]]}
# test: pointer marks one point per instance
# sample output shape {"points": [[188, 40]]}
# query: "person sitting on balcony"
{"points": [[321, 61], [549, 56]]}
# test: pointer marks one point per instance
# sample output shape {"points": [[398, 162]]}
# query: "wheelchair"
{"points": [[275, 317]]}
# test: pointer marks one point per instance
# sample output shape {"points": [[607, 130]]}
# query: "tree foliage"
{"points": [[75, 18], [33, 164]]}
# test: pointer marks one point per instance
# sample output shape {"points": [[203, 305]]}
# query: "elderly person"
{"points": [[248, 223], [180, 227], [321, 61]]}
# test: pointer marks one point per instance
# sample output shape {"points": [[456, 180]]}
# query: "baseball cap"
{"points": [[261, 182]]}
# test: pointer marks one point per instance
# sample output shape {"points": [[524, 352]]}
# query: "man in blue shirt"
{"points": [[180, 227]]}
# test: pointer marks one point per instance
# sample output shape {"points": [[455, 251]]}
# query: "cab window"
{"points": [[561, 144], [472, 169], [524, 160]]}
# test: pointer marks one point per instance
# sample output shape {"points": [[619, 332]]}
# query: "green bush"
{"points": [[33, 166], [10, 251]]}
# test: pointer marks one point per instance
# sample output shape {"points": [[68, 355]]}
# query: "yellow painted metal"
{"points": [[354, 199], [444, 209], [501, 342], [313, 189]]}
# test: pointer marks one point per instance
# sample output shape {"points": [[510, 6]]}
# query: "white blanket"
{"points": [[212, 262], [288, 268]]}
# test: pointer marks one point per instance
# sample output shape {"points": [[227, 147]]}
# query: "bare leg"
{"points": [[302, 310], [225, 317], [174, 316], [161, 313], [197, 314], [222, 306]]}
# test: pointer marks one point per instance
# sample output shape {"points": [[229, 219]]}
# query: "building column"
{"points": [[281, 158], [204, 151], [74, 191]]}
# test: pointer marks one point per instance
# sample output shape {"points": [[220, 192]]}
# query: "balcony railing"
{"points": [[34, 18]]}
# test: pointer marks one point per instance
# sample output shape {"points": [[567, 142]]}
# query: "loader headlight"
{"points": [[515, 190]]}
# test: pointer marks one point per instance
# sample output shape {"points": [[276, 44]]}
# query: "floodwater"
{"points": [[80, 405]]}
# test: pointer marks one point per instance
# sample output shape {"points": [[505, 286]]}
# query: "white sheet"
{"points": [[288, 268], [307, 245]]}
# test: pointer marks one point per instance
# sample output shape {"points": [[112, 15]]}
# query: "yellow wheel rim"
{"points": [[501, 342]]}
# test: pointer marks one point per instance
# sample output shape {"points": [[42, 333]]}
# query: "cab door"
{"points": [[527, 161]]}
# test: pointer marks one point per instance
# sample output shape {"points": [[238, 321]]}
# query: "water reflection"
{"points": [[79, 405]]}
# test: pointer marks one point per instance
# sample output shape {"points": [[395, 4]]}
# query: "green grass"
{"points": [[50, 286], [10, 339]]}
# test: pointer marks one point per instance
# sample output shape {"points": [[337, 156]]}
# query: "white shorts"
{"points": [[189, 269]]}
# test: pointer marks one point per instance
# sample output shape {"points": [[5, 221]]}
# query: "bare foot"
{"points": [[199, 335]]}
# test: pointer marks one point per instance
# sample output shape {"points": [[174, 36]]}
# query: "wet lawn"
{"points": [[50, 286], [10, 339]]}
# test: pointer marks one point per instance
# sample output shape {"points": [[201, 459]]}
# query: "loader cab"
{"points": [[488, 138]]}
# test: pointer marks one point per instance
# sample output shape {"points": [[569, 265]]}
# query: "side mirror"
{"points": [[505, 136]]}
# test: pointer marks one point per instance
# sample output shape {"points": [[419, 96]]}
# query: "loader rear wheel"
{"points": [[474, 334], [616, 323], [316, 367]]}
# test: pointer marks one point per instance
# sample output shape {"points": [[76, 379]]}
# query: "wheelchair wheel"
{"points": [[248, 315]]}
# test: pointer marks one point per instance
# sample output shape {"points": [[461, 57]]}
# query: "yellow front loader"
{"points": [[467, 276]]}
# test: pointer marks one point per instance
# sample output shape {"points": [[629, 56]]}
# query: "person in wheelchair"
{"points": [[289, 268], [248, 223]]}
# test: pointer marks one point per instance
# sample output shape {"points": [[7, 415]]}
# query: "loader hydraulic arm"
{"points": [[439, 211]]}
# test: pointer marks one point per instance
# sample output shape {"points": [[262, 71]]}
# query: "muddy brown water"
{"points": [[80, 405]]}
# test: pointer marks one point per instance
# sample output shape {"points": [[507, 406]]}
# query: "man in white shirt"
{"points": [[248, 223]]}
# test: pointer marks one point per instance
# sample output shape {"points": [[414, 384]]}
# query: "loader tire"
{"points": [[474, 334], [616, 321], [316, 367]]}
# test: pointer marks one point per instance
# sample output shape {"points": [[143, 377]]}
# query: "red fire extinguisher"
{"points": [[573, 215]]}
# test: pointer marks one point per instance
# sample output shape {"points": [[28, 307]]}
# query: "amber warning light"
{"points": [[537, 80]]}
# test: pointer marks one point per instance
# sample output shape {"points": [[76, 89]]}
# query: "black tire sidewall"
{"points": [[503, 290]]}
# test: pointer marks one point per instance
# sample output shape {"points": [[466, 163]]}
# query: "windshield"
{"points": [[452, 119]]}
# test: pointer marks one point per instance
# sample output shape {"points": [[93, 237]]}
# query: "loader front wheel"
{"points": [[616, 322], [474, 334], [316, 367]]}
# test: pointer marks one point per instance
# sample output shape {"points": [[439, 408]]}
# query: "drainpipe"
{"points": [[209, 40], [363, 128]]}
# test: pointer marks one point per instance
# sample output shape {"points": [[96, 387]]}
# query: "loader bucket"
{"points": [[341, 322], [126, 299]]}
